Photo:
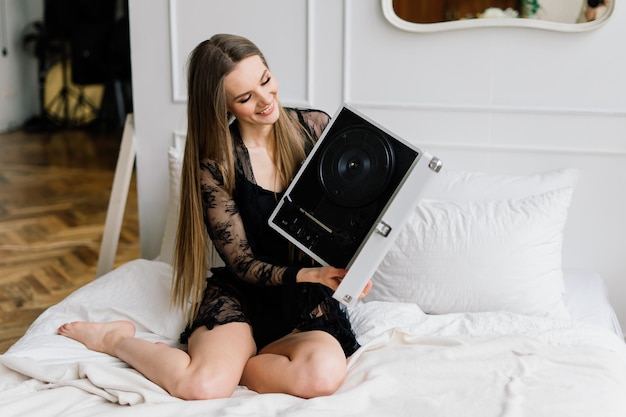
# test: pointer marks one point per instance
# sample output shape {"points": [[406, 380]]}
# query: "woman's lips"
{"points": [[267, 110]]}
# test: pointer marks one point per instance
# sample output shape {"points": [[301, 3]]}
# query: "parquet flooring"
{"points": [[54, 193]]}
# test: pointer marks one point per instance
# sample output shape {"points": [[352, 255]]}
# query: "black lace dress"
{"points": [[258, 284]]}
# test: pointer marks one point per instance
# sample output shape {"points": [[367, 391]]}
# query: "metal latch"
{"points": [[383, 229]]}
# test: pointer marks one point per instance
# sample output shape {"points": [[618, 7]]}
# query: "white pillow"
{"points": [[490, 243], [175, 163], [452, 185]]}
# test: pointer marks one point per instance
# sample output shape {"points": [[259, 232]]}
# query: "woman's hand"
{"points": [[329, 276], [367, 289]]}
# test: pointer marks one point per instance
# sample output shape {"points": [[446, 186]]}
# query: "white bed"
{"points": [[509, 332]]}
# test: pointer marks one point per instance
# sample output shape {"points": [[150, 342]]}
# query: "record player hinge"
{"points": [[435, 164]]}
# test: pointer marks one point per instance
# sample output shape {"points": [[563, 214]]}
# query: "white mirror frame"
{"points": [[393, 18]]}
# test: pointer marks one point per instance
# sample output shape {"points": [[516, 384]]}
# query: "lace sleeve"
{"points": [[226, 230]]}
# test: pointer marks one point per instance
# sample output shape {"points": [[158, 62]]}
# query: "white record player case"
{"points": [[351, 197]]}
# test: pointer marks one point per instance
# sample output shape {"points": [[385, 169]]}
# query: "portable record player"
{"points": [[351, 197]]}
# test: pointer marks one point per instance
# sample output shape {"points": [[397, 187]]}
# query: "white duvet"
{"points": [[411, 364]]}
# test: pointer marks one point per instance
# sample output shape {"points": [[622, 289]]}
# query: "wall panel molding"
{"points": [[177, 95], [347, 56], [391, 105], [177, 67], [553, 131], [595, 152]]}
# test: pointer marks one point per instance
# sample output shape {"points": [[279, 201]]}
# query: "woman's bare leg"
{"points": [[308, 364], [212, 367]]}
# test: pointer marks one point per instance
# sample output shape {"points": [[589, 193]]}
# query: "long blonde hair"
{"points": [[208, 136]]}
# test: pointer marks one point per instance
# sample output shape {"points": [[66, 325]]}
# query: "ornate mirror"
{"points": [[560, 15]]}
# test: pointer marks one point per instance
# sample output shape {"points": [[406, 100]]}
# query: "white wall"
{"points": [[491, 99], [19, 88]]}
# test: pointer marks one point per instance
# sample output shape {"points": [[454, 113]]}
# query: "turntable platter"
{"points": [[356, 166]]}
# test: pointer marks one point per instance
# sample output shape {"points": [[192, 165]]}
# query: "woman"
{"points": [[267, 319]]}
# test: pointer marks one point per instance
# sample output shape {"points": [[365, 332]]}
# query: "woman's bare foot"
{"points": [[101, 337]]}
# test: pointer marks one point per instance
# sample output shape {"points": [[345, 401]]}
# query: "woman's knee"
{"points": [[322, 385], [322, 375], [205, 386], [218, 357]]}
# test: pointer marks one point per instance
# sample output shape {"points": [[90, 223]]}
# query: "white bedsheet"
{"points": [[485, 364]]}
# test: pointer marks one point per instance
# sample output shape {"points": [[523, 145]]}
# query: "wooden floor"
{"points": [[54, 192]]}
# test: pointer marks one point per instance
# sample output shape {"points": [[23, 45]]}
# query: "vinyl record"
{"points": [[356, 166]]}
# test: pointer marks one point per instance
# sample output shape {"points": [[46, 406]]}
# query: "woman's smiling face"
{"points": [[252, 92]]}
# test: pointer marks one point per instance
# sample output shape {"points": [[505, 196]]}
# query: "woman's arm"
{"points": [[226, 230]]}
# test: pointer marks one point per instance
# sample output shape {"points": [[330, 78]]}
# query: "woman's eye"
{"points": [[267, 80], [245, 99]]}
